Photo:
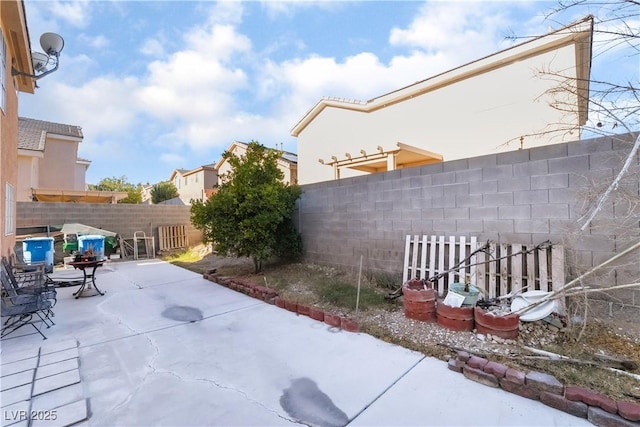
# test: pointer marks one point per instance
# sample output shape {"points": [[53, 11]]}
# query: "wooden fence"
{"points": [[172, 237], [497, 269]]}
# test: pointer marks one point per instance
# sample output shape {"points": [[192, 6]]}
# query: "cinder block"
{"points": [[456, 213], [589, 146], [444, 226], [591, 178], [569, 164], [483, 161], [483, 187], [469, 175], [431, 169], [512, 157], [541, 182], [420, 181], [497, 199], [499, 172], [607, 160], [433, 213], [469, 226], [445, 201], [530, 197], [498, 226], [421, 226], [514, 212], [432, 192], [443, 178], [538, 167], [469, 200], [553, 151], [514, 184], [410, 172], [531, 226], [557, 210], [455, 165], [486, 213]]}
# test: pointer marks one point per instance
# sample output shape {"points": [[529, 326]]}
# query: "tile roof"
{"points": [[33, 133]]}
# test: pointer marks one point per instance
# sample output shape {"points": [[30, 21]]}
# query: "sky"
{"points": [[164, 85]]}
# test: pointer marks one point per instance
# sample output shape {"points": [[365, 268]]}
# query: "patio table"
{"points": [[89, 270]]}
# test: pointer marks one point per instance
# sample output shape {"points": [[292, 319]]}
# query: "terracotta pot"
{"points": [[332, 320], [419, 303], [316, 314], [455, 318], [502, 326], [349, 325], [279, 302]]}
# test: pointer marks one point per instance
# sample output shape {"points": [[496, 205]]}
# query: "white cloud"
{"points": [[97, 42], [466, 30], [152, 47], [76, 13], [172, 159]]}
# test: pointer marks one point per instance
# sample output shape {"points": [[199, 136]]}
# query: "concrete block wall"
{"points": [[124, 219], [525, 196]]}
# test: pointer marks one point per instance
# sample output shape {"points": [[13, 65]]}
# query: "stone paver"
{"points": [[16, 394], [46, 387], [59, 397], [64, 415], [56, 368], [59, 346], [16, 380], [10, 358], [55, 382], [59, 356], [19, 366], [12, 414]]}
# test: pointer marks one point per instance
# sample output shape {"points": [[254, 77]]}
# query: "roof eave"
{"points": [[573, 33]]}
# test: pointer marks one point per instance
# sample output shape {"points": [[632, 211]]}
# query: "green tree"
{"points": [[164, 190], [251, 215], [120, 184]]}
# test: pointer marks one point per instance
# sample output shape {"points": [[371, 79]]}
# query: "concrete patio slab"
{"points": [[165, 347]]}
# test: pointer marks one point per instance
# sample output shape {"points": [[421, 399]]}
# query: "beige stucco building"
{"points": [[498, 103], [287, 163], [48, 158], [195, 184]]}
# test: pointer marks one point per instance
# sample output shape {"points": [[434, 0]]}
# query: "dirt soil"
{"points": [[589, 346]]}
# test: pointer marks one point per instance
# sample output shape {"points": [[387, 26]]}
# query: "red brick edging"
{"points": [[598, 408], [271, 296]]}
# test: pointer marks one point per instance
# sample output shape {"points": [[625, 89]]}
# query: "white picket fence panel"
{"points": [[498, 271]]}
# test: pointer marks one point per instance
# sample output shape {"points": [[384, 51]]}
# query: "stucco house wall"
{"points": [[195, 184], [287, 164], [14, 41], [48, 158], [473, 110]]}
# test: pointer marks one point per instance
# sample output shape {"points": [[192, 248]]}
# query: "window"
{"points": [[3, 72], [186, 180], [9, 209], [177, 182], [196, 178]]}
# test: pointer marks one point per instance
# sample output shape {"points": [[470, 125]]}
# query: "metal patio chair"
{"points": [[34, 282], [23, 309]]}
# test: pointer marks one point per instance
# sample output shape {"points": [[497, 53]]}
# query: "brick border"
{"points": [[597, 408], [271, 296]]}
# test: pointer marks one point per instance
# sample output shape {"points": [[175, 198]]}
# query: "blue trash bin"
{"points": [[38, 249], [94, 242]]}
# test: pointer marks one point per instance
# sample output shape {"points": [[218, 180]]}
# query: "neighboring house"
{"points": [[288, 163], [146, 193], [195, 184], [497, 103], [49, 169], [15, 51]]}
